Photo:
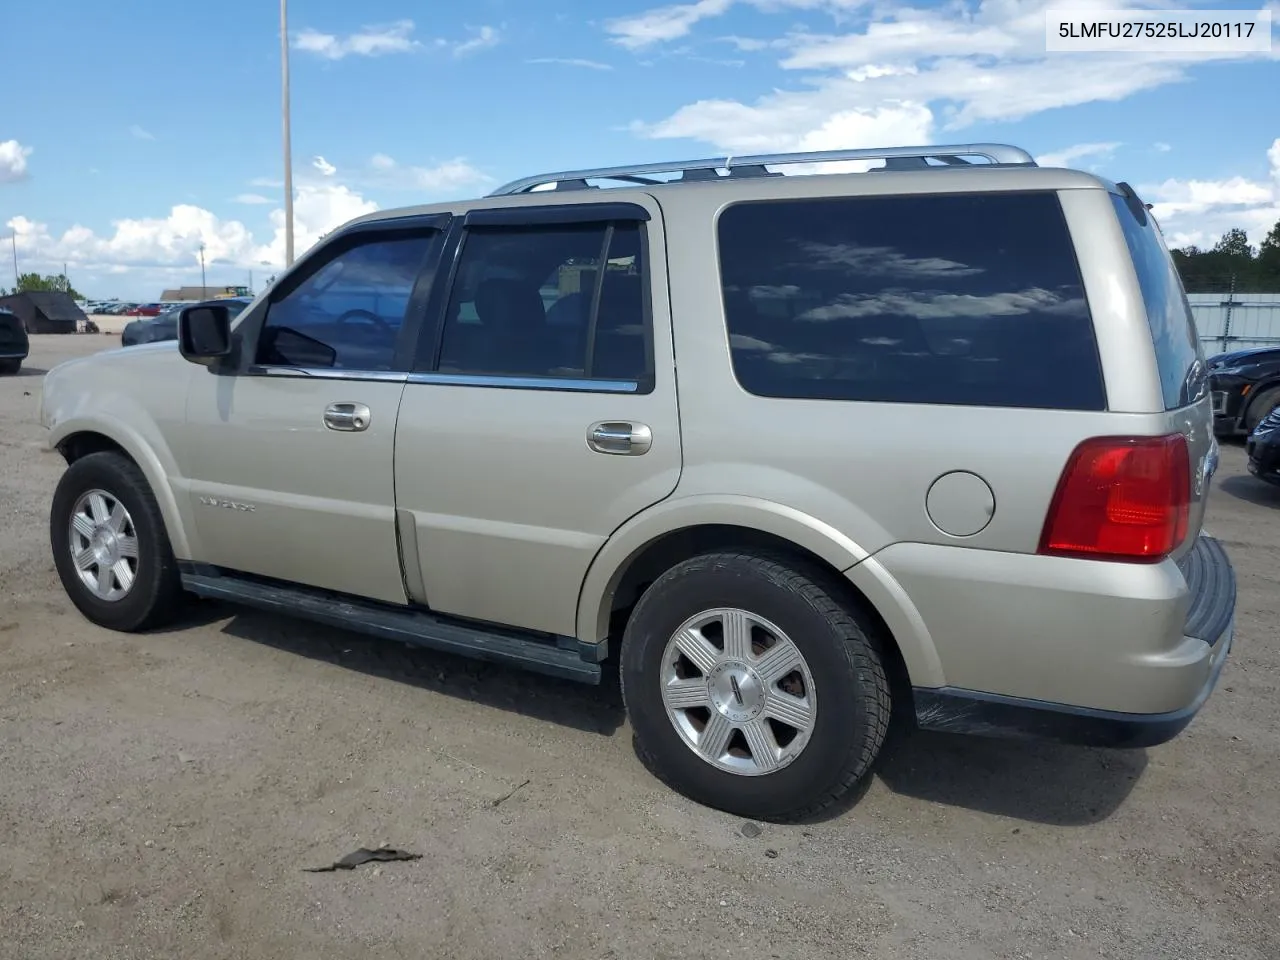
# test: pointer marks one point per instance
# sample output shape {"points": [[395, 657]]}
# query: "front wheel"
{"points": [[1262, 405], [110, 546], [10, 365], [752, 688]]}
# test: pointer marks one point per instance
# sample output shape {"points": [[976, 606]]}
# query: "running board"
{"points": [[538, 653]]}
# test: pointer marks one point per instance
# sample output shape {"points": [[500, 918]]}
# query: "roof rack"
{"points": [[896, 158]]}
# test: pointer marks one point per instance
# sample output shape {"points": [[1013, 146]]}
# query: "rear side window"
{"points": [[1173, 328], [947, 299]]}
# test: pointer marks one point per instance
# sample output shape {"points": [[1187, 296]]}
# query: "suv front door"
{"points": [[541, 413], [289, 454]]}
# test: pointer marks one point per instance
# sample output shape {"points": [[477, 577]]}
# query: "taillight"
{"points": [[1121, 498]]}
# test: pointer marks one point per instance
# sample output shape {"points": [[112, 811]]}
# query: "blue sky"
{"points": [[130, 133]]}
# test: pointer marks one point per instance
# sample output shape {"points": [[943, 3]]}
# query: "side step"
{"points": [[553, 656]]}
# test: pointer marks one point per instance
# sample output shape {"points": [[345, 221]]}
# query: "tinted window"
{"points": [[965, 299], [533, 302], [348, 312], [1173, 328]]}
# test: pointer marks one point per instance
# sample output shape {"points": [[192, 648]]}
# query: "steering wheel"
{"points": [[365, 315]]}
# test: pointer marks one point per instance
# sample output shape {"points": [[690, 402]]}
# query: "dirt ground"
{"points": [[161, 795]]}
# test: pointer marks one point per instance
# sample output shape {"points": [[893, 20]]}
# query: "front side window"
{"points": [[563, 301], [972, 299], [347, 314]]}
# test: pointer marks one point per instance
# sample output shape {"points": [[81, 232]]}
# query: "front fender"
{"points": [[148, 450]]}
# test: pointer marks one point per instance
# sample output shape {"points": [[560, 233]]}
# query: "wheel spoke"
{"points": [[763, 748], [714, 739], [685, 694], [793, 711], [128, 547], [124, 574], [83, 559], [83, 525], [778, 661], [105, 579], [737, 635], [699, 650], [118, 517], [98, 507]]}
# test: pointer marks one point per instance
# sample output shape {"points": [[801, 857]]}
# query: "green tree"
{"points": [[55, 283]]}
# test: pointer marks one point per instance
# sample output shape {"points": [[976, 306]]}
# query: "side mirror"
{"points": [[204, 334]]}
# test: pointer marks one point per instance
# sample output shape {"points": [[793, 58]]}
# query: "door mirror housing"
{"points": [[204, 334]]}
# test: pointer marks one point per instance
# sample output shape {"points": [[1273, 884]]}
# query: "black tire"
{"points": [[838, 643], [1261, 405], [10, 366], [156, 590]]}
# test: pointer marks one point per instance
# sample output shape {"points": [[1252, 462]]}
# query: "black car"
{"points": [[14, 345], [165, 326], [1263, 447], [1246, 387]]}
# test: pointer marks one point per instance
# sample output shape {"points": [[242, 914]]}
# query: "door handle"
{"points": [[620, 438], [347, 417]]}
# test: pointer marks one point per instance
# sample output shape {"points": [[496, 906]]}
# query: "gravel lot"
{"points": [[160, 796]]}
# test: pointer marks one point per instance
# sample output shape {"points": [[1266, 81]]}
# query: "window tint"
{"points": [[348, 313], [1179, 355], [964, 299], [533, 302]]}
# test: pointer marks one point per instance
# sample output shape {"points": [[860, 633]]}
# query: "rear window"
{"points": [[1179, 356], [947, 299]]}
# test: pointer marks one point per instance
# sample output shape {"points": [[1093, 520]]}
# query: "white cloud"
{"points": [[326, 168], [572, 62], [964, 62], [1199, 212], [251, 199], [663, 23], [1161, 147], [371, 41], [138, 133], [451, 175], [485, 37], [1071, 155], [13, 161]]}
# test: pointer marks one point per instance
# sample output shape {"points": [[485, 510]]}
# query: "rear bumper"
{"points": [[1092, 655]]}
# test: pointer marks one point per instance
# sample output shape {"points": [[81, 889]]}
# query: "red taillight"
{"points": [[1121, 498]]}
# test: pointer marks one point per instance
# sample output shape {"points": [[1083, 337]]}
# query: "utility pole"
{"points": [[288, 149], [204, 289], [14, 238]]}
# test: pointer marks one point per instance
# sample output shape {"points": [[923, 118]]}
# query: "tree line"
{"points": [[35, 283], [1232, 264]]}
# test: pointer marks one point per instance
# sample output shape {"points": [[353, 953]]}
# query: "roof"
{"points": [[51, 304]]}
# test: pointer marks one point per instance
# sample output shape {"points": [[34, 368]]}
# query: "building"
{"points": [[45, 311], [202, 293]]}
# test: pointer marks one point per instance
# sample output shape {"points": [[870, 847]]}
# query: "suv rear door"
{"points": [[541, 413]]}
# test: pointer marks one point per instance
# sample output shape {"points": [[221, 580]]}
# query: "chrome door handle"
{"points": [[619, 438], [347, 417]]}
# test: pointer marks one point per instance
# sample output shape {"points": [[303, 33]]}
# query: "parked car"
{"points": [[1263, 448], [1246, 388], [793, 449], [14, 343], [165, 326]]}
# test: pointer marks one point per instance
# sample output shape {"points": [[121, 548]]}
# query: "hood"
{"points": [[1237, 357]]}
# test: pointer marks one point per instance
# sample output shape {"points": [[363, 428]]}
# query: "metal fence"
{"points": [[1236, 321]]}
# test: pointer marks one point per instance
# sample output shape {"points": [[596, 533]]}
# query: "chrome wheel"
{"points": [[104, 545], [738, 691]]}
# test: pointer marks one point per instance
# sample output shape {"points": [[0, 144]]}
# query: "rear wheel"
{"points": [[751, 687], [10, 366], [109, 544], [1263, 404]]}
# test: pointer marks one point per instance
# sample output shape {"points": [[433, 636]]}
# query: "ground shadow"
{"points": [[25, 371], [1023, 780], [594, 709], [1250, 489]]}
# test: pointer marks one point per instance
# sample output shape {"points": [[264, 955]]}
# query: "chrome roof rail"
{"points": [[896, 158]]}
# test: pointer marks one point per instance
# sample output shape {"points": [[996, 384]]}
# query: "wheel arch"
{"points": [[1265, 386], [645, 548], [74, 439]]}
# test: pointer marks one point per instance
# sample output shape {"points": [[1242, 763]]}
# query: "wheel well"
{"points": [[82, 444], [1261, 390], [660, 555]]}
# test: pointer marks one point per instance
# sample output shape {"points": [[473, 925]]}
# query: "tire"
{"points": [[842, 678], [10, 366], [98, 481], [1262, 405]]}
